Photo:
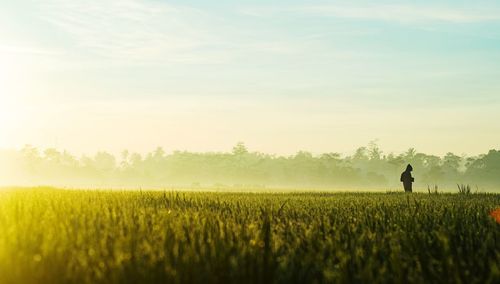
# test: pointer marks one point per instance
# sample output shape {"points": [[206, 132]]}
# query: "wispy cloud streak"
{"points": [[132, 29], [384, 12], [152, 31]]}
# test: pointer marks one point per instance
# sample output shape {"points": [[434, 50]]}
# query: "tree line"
{"points": [[368, 167]]}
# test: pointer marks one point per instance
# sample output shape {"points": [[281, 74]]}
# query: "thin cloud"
{"points": [[382, 12], [25, 50], [404, 13], [132, 30]]}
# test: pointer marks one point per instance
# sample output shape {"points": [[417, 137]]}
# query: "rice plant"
{"points": [[72, 236], [464, 189], [433, 189]]}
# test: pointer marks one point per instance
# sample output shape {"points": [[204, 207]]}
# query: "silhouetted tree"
{"points": [[366, 167]]}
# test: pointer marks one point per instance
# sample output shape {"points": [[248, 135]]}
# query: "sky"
{"points": [[281, 76]]}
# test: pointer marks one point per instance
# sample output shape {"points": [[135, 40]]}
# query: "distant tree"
{"points": [[104, 162], [431, 161], [30, 153], [125, 162], [366, 167], [485, 169], [31, 159], [374, 151], [451, 165], [69, 161], [409, 155], [333, 160], [434, 175], [360, 154], [136, 159], [396, 161], [303, 156], [159, 153], [52, 155], [240, 149]]}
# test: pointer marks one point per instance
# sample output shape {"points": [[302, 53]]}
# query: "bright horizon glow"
{"points": [[321, 76]]}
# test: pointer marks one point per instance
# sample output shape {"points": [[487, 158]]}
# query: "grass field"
{"points": [[62, 236]]}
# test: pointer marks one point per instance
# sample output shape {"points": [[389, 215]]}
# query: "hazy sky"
{"points": [[201, 75]]}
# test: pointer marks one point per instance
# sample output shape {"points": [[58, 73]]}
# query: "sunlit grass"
{"points": [[61, 236]]}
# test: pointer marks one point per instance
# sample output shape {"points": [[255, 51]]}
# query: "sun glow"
{"points": [[8, 101], [7, 120]]}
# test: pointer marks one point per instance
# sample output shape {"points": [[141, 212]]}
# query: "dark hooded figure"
{"points": [[407, 179]]}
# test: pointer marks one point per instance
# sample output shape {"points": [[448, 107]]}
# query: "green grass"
{"points": [[58, 236]]}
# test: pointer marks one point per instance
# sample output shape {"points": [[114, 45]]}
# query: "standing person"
{"points": [[407, 179]]}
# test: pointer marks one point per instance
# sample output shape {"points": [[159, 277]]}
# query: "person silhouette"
{"points": [[407, 179]]}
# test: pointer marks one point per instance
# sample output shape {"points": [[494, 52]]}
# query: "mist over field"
{"points": [[369, 168]]}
